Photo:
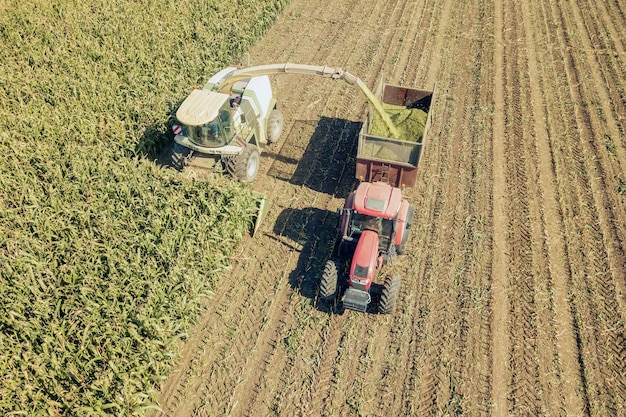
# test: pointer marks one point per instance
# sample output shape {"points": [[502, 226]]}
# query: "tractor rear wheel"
{"points": [[389, 296], [328, 283], [401, 249], [274, 126], [244, 166]]}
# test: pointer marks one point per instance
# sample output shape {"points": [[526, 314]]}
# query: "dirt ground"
{"points": [[512, 301]]}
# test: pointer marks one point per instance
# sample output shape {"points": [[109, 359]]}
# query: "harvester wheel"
{"points": [[328, 283], [401, 249], [244, 166], [274, 126], [180, 156], [389, 295]]}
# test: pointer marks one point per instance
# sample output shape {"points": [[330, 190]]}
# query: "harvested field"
{"points": [[513, 295]]}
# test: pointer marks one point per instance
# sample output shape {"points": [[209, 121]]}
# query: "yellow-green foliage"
{"points": [[105, 257], [409, 122]]}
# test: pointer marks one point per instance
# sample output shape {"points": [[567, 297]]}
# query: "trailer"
{"points": [[391, 160]]}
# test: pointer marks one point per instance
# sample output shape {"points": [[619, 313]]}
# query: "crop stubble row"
{"points": [[572, 167], [594, 238], [456, 327]]}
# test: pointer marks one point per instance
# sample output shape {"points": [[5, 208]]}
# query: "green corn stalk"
{"points": [[105, 257]]}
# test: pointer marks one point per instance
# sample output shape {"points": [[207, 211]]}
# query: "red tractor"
{"points": [[374, 228], [376, 219]]}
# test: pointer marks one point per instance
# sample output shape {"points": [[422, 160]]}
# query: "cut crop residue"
{"points": [[409, 123]]}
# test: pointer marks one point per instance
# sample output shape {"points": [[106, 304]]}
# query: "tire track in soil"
{"points": [[500, 369], [578, 206], [474, 270], [523, 334], [450, 391], [592, 238], [416, 53], [442, 387], [599, 82], [555, 336]]}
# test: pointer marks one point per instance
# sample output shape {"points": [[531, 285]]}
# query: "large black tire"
{"points": [[401, 249], [328, 282], [245, 166], [180, 156], [389, 296], [274, 126], [391, 254]]}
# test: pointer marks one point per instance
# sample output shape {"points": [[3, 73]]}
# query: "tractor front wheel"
{"points": [[244, 166], [328, 283], [389, 296], [274, 126], [401, 249]]}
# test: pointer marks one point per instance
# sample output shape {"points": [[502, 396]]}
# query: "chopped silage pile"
{"points": [[409, 122]]}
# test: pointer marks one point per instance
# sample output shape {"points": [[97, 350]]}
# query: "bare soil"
{"points": [[512, 301]]}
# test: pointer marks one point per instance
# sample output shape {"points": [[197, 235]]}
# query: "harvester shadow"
{"points": [[313, 230], [328, 161], [157, 141]]}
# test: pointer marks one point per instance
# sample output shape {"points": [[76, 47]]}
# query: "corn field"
{"points": [[106, 258]]}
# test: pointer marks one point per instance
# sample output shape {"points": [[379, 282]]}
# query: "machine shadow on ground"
{"points": [[319, 155], [312, 232]]}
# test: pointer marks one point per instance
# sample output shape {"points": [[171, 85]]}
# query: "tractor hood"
{"points": [[365, 261], [378, 200], [200, 107]]}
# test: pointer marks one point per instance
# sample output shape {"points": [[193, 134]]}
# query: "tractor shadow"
{"points": [[320, 155], [312, 231]]}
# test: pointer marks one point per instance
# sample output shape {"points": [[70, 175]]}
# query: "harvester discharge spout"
{"points": [[319, 70]]}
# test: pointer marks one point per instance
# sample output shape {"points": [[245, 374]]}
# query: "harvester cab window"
{"points": [[209, 134], [225, 118]]}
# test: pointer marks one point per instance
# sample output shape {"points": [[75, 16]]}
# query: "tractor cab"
{"points": [[363, 222], [372, 207]]}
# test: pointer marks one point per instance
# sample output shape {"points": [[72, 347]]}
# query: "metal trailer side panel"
{"points": [[388, 159]]}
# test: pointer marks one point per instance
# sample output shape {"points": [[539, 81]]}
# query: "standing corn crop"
{"points": [[105, 258]]}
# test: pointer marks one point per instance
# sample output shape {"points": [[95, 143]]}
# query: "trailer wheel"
{"points": [[328, 283], [244, 166], [274, 126], [389, 296], [401, 249], [180, 156]]}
